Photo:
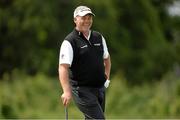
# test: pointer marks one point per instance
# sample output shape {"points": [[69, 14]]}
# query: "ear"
{"points": [[75, 19]]}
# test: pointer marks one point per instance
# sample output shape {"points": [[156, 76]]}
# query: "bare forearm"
{"points": [[64, 81], [64, 78], [107, 63]]}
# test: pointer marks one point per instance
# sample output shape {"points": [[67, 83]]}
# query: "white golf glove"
{"points": [[106, 84]]}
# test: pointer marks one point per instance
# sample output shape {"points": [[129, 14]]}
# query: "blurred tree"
{"points": [[140, 35], [30, 31], [146, 50]]}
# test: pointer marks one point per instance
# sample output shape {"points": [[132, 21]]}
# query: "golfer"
{"points": [[84, 66]]}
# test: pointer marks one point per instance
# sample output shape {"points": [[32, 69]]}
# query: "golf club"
{"points": [[66, 113]]}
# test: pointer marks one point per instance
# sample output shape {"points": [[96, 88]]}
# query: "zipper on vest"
{"points": [[89, 42], [84, 38]]}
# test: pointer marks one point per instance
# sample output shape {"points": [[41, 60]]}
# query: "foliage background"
{"points": [[143, 40]]}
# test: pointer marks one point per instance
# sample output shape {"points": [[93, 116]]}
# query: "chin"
{"points": [[85, 29]]}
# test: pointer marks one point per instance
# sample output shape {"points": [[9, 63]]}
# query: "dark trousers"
{"points": [[90, 101]]}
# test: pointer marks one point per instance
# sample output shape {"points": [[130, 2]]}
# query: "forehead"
{"points": [[86, 16]]}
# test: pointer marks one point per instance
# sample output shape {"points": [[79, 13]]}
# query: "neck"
{"points": [[84, 32]]}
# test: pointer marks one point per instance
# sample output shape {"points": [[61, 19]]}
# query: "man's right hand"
{"points": [[64, 80], [66, 97]]}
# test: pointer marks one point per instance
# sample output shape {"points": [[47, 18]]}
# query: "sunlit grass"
{"points": [[154, 100], [23, 96], [32, 97]]}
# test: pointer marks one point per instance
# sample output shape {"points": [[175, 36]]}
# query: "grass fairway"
{"points": [[23, 96]]}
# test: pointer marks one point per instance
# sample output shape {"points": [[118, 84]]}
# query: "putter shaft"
{"points": [[66, 112]]}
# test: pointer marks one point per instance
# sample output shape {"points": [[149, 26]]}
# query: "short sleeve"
{"points": [[66, 53], [106, 53]]}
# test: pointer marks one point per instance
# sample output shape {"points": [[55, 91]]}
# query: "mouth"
{"points": [[86, 24]]}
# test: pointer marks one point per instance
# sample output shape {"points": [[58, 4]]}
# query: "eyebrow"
{"points": [[88, 15]]}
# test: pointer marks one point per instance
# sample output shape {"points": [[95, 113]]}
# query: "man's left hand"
{"points": [[106, 84]]}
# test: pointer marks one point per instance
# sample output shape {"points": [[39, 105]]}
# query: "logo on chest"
{"points": [[84, 46], [97, 44]]}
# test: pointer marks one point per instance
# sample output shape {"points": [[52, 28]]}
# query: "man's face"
{"points": [[83, 23]]}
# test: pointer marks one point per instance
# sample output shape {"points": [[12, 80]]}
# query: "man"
{"points": [[84, 66]]}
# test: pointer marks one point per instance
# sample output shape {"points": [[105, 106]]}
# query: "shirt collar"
{"points": [[80, 33]]}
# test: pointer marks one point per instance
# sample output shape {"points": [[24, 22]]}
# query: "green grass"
{"points": [[155, 100], [23, 96], [32, 97]]}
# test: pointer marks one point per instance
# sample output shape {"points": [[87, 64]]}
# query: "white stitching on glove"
{"points": [[106, 84]]}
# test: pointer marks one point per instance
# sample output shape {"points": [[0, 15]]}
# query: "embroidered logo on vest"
{"points": [[84, 46], [97, 44]]}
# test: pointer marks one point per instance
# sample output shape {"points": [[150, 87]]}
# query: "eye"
{"points": [[83, 18]]}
